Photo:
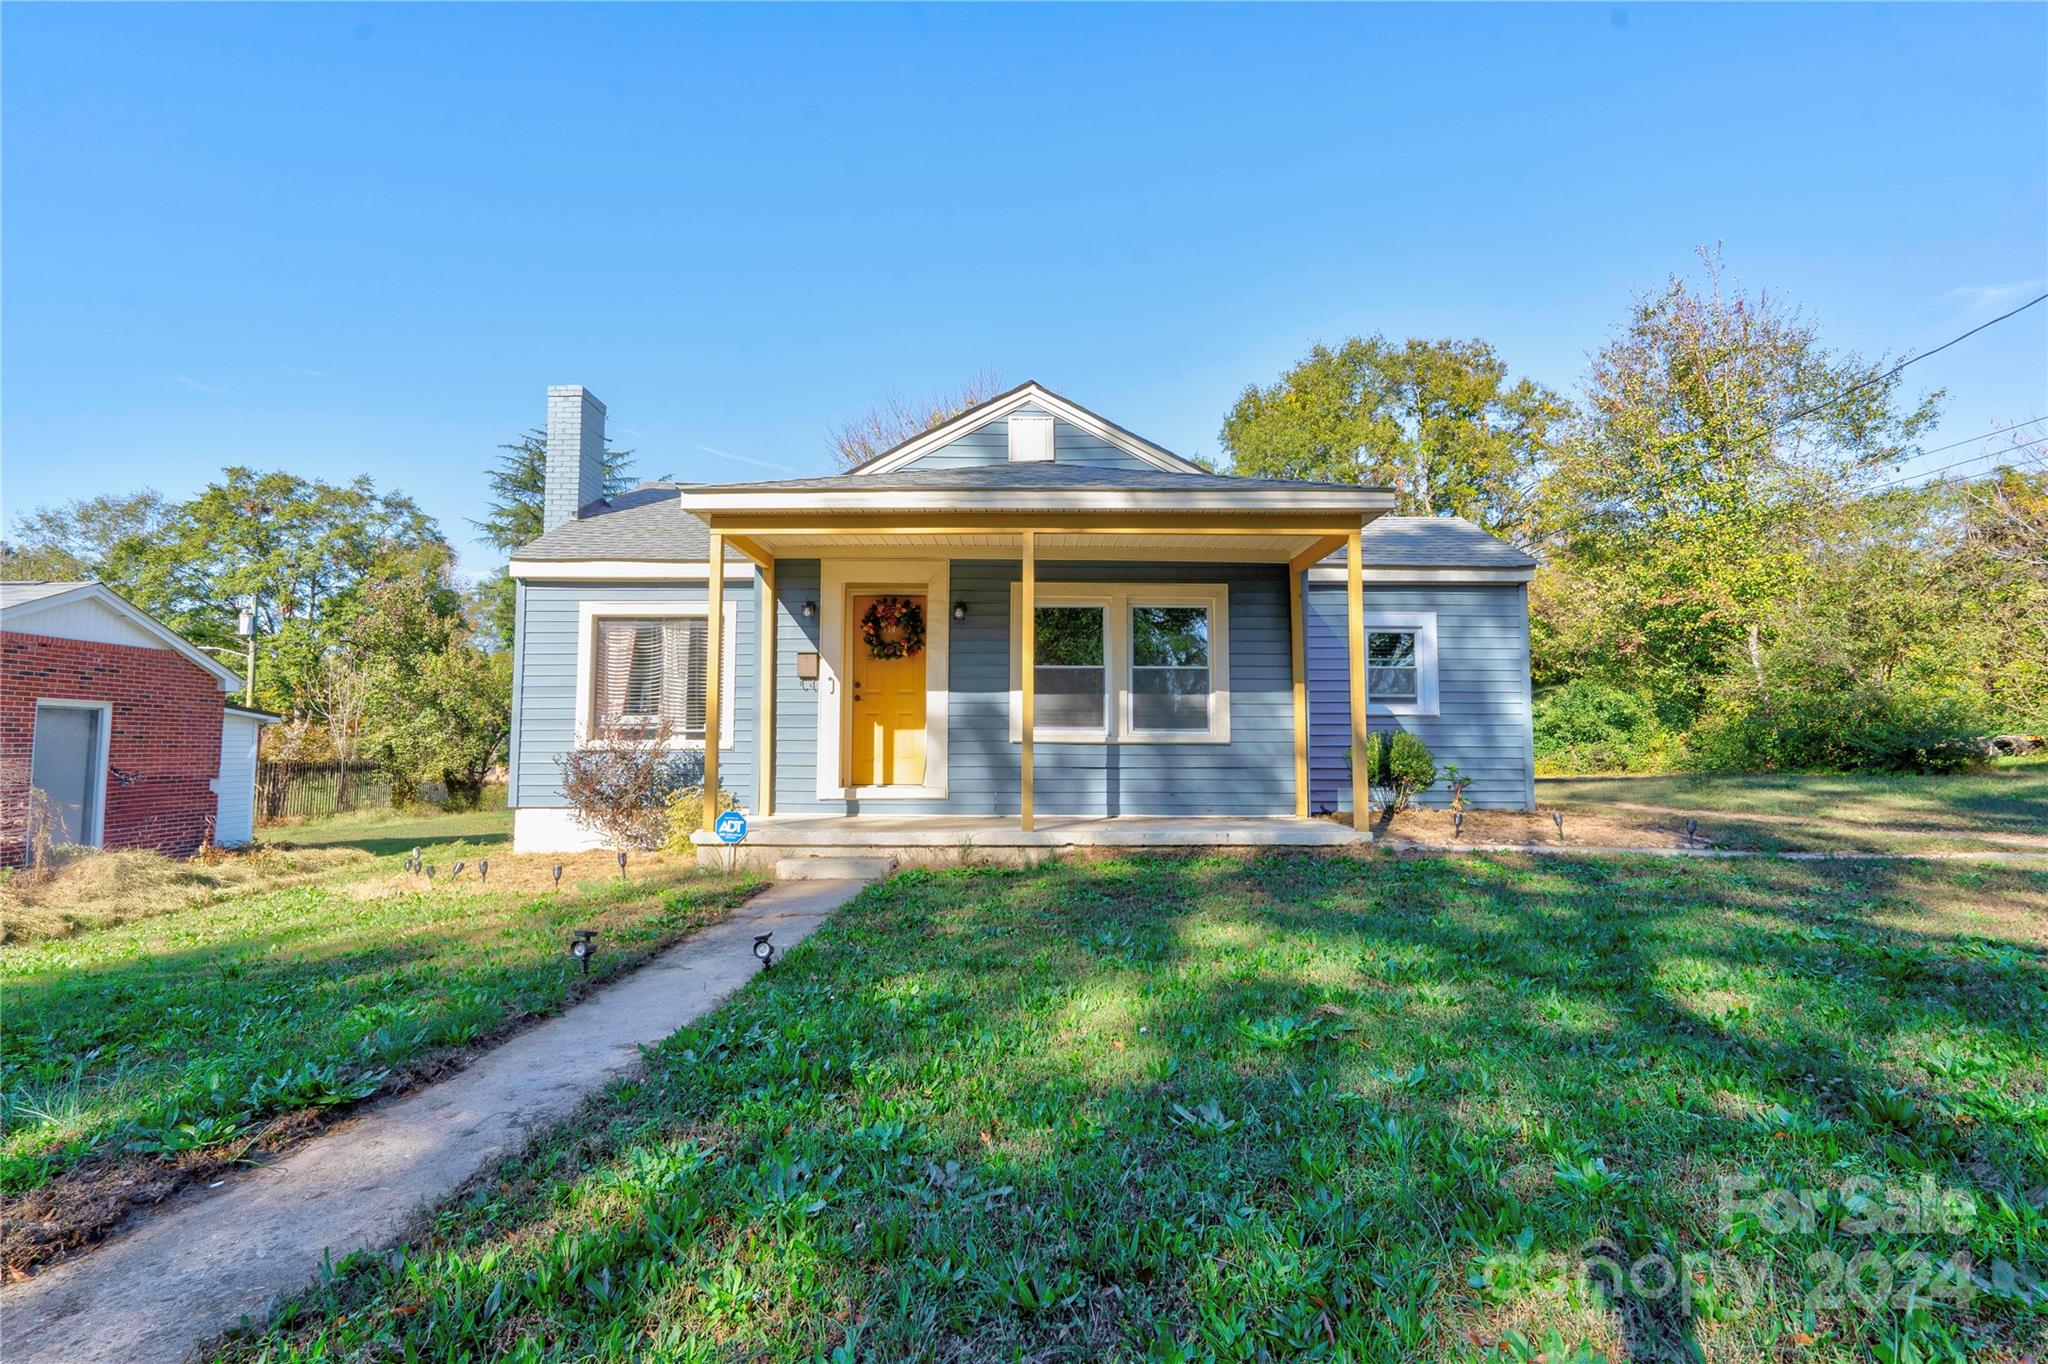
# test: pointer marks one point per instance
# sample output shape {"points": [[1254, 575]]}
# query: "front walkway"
{"points": [[196, 1271]]}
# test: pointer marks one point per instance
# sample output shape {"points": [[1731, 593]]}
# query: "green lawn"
{"points": [[2008, 798], [136, 1058], [1297, 1108]]}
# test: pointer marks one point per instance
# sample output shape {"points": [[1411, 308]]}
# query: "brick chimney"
{"points": [[575, 476]]}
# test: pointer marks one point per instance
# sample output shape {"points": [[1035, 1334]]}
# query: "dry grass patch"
{"points": [[81, 889]]}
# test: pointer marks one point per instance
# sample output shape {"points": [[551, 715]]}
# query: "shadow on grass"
{"points": [[1285, 1107]]}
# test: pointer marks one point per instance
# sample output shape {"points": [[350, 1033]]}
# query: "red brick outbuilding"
{"points": [[119, 723]]}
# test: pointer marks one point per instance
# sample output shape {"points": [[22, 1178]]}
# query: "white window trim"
{"points": [[589, 613], [1117, 599], [96, 827], [839, 580], [1423, 623]]}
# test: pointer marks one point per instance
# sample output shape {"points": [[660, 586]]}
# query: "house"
{"points": [[120, 724], [847, 653]]}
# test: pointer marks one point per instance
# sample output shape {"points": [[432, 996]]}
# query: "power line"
{"points": [[1972, 440], [1929, 473], [1909, 360]]}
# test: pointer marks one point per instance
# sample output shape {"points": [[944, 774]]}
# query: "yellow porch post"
{"points": [[765, 621], [1027, 666], [1354, 612], [714, 675], [1296, 622]]}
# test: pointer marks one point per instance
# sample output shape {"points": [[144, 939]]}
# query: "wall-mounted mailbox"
{"points": [[807, 666]]}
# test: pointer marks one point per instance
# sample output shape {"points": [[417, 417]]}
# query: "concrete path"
{"points": [[195, 1271]]}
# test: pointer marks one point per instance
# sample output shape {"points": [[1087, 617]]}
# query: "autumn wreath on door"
{"points": [[892, 627]]}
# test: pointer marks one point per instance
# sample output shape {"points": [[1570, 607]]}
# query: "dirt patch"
{"points": [[528, 873], [82, 889]]}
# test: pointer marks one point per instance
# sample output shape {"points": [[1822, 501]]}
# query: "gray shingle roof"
{"points": [[1435, 542], [643, 523], [990, 477], [22, 593]]}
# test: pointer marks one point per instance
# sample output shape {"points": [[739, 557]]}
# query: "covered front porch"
{"points": [[992, 571]]}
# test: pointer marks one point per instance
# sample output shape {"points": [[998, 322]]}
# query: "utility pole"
{"points": [[245, 626]]}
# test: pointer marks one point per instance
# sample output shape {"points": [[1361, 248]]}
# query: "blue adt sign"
{"points": [[731, 827]]}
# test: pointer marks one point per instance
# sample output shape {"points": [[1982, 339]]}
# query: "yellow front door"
{"points": [[888, 706]]}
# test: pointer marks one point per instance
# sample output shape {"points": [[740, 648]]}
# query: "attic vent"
{"points": [[1030, 437]]}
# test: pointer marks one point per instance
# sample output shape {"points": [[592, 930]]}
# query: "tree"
{"points": [[896, 419], [340, 695], [439, 706], [80, 539], [1438, 420], [301, 549], [1715, 435], [518, 483]]}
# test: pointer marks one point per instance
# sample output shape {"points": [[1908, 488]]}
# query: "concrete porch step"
{"points": [[830, 868]]}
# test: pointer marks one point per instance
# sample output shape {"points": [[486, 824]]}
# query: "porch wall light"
{"points": [[959, 610], [810, 609]]}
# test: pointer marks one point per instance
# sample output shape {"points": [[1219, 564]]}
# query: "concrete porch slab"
{"points": [[937, 840]]}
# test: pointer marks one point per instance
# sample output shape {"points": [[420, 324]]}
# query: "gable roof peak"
{"points": [[1030, 393]]}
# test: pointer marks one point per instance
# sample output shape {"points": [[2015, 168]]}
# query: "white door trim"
{"points": [[836, 635]]}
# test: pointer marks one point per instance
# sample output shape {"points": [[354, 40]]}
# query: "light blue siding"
{"points": [[1251, 775], [1482, 724], [544, 681], [990, 444]]}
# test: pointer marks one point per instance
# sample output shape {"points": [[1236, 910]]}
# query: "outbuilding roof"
{"points": [[1435, 542], [22, 601]]}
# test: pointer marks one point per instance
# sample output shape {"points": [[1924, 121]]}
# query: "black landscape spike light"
{"points": [[483, 869], [558, 876], [764, 949], [622, 864], [584, 947], [457, 871], [418, 861], [1457, 824], [1557, 818], [1692, 831], [430, 871]]}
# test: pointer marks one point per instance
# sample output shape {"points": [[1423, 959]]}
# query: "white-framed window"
{"points": [[1071, 665], [1400, 662], [1125, 663], [1171, 681], [642, 667]]}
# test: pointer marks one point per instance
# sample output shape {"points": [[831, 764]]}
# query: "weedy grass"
{"points": [[1295, 1108], [2006, 800], [139, 1057], [83, 889]]}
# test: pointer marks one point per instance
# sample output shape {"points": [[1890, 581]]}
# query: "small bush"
{"points": [[1399, 767], [1586, 726], [686, 816], [621, 787], [1861, 729]]}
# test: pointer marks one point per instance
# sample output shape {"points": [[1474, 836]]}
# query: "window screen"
{"points": [[1170, 683], [1068, 672], [1391, 672], [649, 675]]}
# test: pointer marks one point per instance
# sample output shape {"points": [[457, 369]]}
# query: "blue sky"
{"points": [[338, 240]]}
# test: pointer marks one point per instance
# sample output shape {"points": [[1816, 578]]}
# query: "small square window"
{"points": [[1392, 668]]}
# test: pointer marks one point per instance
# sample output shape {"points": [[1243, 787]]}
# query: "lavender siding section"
{"points": [[1483, 716]]}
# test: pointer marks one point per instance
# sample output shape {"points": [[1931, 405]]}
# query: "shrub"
{"points": [[621, 787], [1398, 766], [1587, 726], [1871, 728], [686, 815]]}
